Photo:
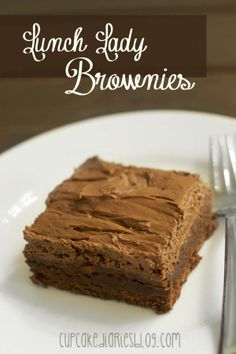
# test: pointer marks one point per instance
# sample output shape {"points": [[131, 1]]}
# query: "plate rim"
{"points": [[211, 115]]}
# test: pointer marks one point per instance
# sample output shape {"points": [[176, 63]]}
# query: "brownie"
{"points": [[121, 232]]}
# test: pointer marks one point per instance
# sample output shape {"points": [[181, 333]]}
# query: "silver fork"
{"points": [[223, 173]]}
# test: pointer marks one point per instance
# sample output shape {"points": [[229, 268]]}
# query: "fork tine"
{"points": [[225, 162], [230, 141], [216, 169]]}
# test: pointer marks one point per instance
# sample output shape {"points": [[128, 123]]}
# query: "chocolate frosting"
{"points": [[123, 209]]}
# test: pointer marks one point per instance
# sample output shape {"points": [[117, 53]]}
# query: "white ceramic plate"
{"points": [[31, 317]]}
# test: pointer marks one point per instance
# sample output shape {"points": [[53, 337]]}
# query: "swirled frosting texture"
{"points": [[124, 209]]}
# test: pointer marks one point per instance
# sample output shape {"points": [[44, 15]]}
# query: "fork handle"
{"points": [[228, 324]]}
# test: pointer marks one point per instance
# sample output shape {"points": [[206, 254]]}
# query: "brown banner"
{"points": [[177, 43]]}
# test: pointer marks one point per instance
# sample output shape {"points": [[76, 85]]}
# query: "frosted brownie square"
{"points": [[121, 232]]}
